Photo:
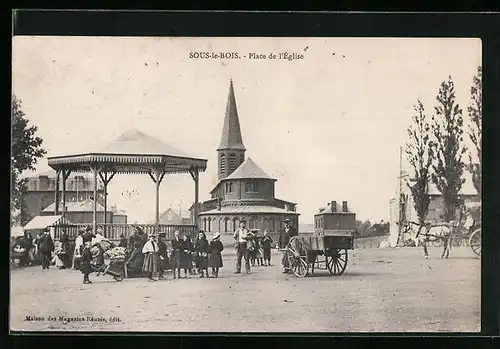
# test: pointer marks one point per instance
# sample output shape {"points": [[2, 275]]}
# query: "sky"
{"points": [[327, 127]]}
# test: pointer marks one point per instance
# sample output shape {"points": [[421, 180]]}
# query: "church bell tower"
{"points": [[231, 151]]}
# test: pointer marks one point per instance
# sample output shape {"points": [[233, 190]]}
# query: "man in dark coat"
{"points": [[285, 235], [162, 256], [46, 246]]}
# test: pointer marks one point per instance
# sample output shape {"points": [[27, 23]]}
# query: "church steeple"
{"points": [[231, 149], [231, 132]]}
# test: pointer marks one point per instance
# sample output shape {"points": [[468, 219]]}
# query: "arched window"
{"points": [[242, 158], [232, 162], [226, 225], [209, 225], [272, 225]]}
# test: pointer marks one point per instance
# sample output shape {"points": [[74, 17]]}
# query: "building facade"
{"points": [[41, 188], [40, 199], [244, 190]]}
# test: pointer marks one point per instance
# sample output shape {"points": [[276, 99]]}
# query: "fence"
{"points": [[113, 231]]}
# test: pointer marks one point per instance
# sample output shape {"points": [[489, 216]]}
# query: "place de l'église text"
{"points": [[284, 55]]}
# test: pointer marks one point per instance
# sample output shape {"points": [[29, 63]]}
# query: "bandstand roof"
{"points": [[132, 152]]}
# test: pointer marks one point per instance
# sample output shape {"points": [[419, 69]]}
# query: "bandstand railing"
{"points": [[113, 231]]}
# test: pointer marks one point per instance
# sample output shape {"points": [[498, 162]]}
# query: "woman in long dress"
{"points": [[176, 256], [85, 266], [135, 261], [150, 251], [214, 249], [186, 255], [201, 249]]}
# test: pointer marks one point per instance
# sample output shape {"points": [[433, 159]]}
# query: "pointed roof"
{"points": [[248, 169], [132, 152], [134, 141], [231, 132]]}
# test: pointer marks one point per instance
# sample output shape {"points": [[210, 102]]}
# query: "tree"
{"points": [[26, 150], [475, 111], [419, 155], [365, 229], [448, 148]]}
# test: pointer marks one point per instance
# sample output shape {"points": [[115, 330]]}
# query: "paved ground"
{"points": [[381, 290]]}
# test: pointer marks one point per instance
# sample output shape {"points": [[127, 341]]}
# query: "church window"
{"points": [[232, 162], [242, 158], [229, 187], [251, 186], [222, 164]]}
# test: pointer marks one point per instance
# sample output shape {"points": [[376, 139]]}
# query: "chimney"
{"points": [[333, 206], [344, 206]]}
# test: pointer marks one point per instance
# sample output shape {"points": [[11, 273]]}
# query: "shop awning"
{"points": [[42, 222]]}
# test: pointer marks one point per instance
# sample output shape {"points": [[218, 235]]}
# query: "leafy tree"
{"points": [[448, 148], [475, 111], [365, 229], [419, 155], [26, 150]]}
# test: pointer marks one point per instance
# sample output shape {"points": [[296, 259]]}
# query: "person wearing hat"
{"points": [[215, 251], [286, 234], [162, 256], [201, 249], [77, 254], [266, 243], [150, 250], [85, 265], [241, 236], [46, 247]]}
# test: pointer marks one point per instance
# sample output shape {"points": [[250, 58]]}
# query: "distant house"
{"points": [[170, 217], [468, 194]]}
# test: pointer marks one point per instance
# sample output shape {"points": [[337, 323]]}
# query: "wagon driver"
{"points": [[285, 235]]}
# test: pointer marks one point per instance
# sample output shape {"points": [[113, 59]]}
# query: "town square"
{"points": [[336, 188]]}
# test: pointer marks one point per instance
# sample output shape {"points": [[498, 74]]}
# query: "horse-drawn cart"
{"points": [[475, 242], [325, 252]]}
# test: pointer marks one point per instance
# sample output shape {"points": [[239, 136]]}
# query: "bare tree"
{"points": [[448, 147], [475, 111], [419, 155]]}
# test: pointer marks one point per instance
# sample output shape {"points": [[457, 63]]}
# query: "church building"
{"points": [[243, 190]]}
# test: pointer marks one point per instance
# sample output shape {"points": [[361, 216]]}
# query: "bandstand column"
{"points": [[105, 181], [56, 193], [195, 174], [65, 175], [94, 217], [157, 177]]}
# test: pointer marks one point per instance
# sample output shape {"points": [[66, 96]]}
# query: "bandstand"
{"points": [[132, 153]]}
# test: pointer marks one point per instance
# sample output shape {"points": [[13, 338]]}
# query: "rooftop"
{"points": [[243, 209], [231, 131], [76, 206]]}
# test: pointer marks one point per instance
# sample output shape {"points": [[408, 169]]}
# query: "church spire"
{"points": [[231, 132]]}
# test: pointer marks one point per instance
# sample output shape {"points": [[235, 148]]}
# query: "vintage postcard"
{"points": [[175, 184]]}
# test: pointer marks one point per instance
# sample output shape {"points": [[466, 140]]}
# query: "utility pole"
{"points": [[401, 201]]}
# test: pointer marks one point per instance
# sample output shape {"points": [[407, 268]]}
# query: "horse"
{"points": [[436, 231]]}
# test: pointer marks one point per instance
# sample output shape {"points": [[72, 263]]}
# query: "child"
{"points": [[201, 248], [214, 249], [266, 243]]}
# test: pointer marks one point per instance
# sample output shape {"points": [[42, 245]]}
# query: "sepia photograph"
{"points": [[245, 184]]}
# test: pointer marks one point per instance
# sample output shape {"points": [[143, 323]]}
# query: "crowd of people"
{"points": [[149, 256]]}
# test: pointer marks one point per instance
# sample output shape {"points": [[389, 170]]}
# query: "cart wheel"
{"points": [[336, 261], [119, 278], [475, 242], [297, 257]]}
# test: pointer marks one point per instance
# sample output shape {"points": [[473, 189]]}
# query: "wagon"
{"points": [[327, 252], [326, 248], [475, 242]]}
